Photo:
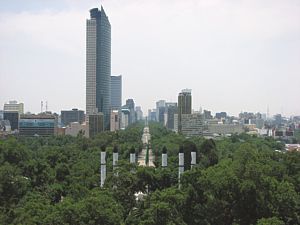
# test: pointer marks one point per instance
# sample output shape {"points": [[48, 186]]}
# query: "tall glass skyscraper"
{"points": [[98, 64]]}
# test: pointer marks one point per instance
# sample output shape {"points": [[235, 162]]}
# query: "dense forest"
{"points": [[238, 180]]}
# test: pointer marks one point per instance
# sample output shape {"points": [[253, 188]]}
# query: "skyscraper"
{"points": [[116, 92], [98, 64], [184, 105], [131, 106]]}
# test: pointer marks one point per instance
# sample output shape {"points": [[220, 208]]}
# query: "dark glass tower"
{"points": [[184, 105], [98, 64]]}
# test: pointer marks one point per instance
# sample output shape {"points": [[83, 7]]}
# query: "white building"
{"points": [[14, 106]]}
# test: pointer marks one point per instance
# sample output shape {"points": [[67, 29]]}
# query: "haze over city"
{"points": [[235, 56]]}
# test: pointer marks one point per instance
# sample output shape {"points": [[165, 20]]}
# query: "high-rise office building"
{"points": [[116, 92], [184, 105], [98, 64]]}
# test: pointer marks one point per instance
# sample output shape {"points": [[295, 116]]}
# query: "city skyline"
{"points": [[231, 61]]}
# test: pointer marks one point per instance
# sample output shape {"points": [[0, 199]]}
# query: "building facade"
{"points": [[13, 118], [125, 114], [114, 120], [98, 64], [192, 124], [225, 129], [96, 124], [131, 106], [116, 92], [75, 128], [139, 113], [37, 125], [74, 115], [14, 106], [159, 105], [172, 109], [184, 105]]}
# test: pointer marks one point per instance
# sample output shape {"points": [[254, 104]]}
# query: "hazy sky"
{"points": [[235, 55]]}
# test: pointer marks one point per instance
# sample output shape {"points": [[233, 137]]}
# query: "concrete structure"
{"points": [[180, 164], [192, 124], [37, 125], [176, 123], [184, 105], [114, 120], [96, 124], [115, 157], [98, 65], [164, 158], [224, 129], [116, 92], [13, 118], [102, 167], [14, 106], [74, 128], [74, 115], [193, 159]]}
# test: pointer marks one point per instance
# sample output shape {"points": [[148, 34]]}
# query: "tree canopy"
{"points": [[237, 180]]}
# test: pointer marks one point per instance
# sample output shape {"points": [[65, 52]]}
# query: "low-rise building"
{"points": [[225, 129], [75, 128], [74, 115], [37, 125]]}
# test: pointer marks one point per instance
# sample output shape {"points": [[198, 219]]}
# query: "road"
{"points": [[146, 137]]}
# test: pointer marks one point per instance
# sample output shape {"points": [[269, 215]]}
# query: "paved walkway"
{"points": [[142, 156]]}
